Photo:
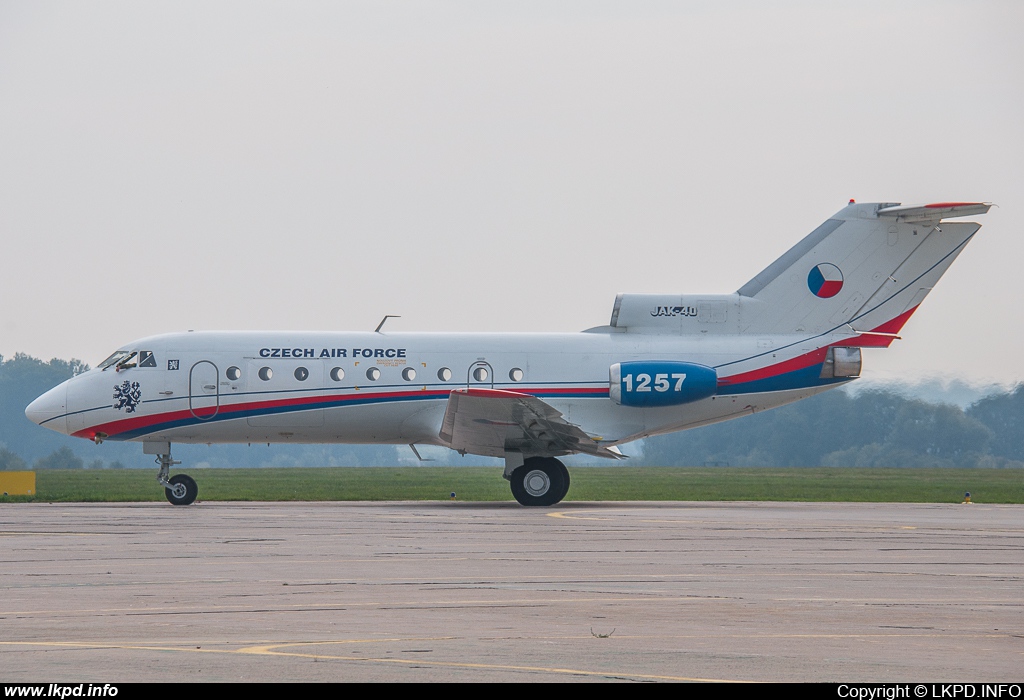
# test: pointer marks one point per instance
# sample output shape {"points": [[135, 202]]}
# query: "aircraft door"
{"points": [[480, 372], [203, 390]]}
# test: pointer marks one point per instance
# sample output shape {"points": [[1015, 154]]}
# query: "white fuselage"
{"points": [[215, 386]]}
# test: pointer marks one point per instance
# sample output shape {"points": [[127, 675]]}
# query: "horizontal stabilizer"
{"points": [[912, 213]]}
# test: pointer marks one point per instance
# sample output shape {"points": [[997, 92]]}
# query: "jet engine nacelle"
{"points": [[660, 383]]}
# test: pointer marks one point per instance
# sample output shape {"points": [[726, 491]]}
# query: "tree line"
{"points": [[883, 428], [877, 428]]}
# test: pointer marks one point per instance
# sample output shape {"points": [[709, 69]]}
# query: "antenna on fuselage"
{"points": [[383, 321], [417, 453]]}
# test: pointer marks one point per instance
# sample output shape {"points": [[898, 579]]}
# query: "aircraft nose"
{"points": [[50, 409]]}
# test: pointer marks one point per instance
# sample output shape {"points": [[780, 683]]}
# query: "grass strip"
{"points": [[588, 484]]}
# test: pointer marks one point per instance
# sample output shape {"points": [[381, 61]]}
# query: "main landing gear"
{"points": [[540, 481], [181, 489]]}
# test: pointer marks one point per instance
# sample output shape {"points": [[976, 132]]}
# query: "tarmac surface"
{"points": [[444, 591]]}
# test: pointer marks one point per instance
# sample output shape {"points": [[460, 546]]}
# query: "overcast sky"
{"points": [[488, 166]]}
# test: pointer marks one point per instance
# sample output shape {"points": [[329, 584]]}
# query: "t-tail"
{"points": [[862, 273], [867, 268]]}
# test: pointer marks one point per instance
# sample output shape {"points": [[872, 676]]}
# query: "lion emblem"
{"points": [[127, 396]]}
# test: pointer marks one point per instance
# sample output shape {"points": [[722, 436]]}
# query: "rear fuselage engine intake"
{"points": [[653, 383]]}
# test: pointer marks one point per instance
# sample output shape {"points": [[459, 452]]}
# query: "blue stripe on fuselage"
{"points": [[807, 377]]}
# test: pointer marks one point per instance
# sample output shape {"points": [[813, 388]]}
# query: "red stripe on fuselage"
{"points": [[122, 425], [818, 356], [126, 424], [892, 326], [814, 357]]}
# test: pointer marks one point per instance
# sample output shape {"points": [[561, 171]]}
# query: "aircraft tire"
{"points": [[541, 481], [184, 490], [565, 479]]}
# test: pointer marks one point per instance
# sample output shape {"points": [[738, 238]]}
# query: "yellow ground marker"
{"points": [[18, 483]]}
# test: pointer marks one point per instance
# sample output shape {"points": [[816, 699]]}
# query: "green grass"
{"points": [[588, 484]]}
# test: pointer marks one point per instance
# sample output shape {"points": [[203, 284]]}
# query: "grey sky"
{"points": [[487, 166]]}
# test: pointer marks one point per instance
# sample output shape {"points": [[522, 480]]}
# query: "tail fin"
{"points": [[868, 267]]}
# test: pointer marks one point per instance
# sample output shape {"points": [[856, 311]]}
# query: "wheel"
{"points": [[182, 491], [565, 480], [541, 481]]}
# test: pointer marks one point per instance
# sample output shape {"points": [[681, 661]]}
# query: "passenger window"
{"points": [[444, 374], [337, 374], [516, 374], [234, 373], [301, 373], [408, 374], [146, 359], [266, 373], [373, 374], [480, 374]]}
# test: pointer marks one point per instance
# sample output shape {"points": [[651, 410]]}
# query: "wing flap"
{"points": [[492, 422]]}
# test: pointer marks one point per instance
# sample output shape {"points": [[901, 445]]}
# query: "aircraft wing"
{"points": [[493, 421]]}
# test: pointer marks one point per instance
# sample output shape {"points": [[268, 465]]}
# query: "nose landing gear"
{"points": [[181, 489]]}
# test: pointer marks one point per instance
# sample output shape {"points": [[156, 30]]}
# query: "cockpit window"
{"points": [[126, 363], [115, 358], [146, 359]]}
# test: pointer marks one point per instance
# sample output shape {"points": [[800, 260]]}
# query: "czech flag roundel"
{"points": [[825, 280]]}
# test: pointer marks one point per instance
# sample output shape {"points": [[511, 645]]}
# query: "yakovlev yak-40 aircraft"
{"points": [[663, 363]]}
